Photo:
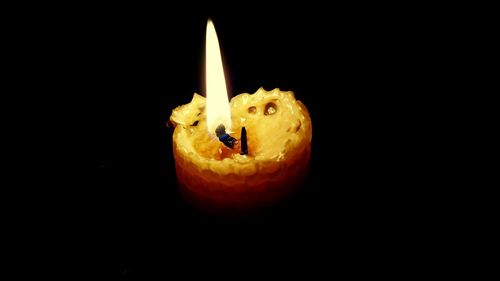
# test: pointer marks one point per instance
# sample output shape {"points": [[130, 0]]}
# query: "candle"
{"points": [[241, 155]]}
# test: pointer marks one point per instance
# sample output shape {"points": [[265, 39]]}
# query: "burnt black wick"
{"points": [[226, 139], [244, 147]]}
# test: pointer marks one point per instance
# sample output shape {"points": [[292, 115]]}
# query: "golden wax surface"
{"points": [[279, 133]]}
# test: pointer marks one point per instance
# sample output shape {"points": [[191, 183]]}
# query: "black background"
{"points": [[121, 71]]}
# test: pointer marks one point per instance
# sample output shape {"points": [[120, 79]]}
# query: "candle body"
{"points": [[216, 179]]}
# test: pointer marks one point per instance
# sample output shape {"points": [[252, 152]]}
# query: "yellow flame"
{"points": [[218, 111]]}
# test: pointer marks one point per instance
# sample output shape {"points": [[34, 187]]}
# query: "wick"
{"points": [[226, 139], [244, 147]]}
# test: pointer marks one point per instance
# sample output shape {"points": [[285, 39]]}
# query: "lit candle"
{"points": [[241, 155]]}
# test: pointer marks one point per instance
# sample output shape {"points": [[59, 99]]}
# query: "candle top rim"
{"points": [[184, 116]]}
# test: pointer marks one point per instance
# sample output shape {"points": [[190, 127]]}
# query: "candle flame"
{"points": [[218, 111]]}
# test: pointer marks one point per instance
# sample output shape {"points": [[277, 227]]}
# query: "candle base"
{"points": [[258, 195]]}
